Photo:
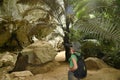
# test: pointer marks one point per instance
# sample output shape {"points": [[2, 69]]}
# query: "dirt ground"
{"points": [[60, 72]]}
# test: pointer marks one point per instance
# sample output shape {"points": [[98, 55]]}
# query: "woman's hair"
{"points": [[71, 48]]}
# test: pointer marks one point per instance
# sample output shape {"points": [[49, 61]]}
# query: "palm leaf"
{"points": [[103, 29]]}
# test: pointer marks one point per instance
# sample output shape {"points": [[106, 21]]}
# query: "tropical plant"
{"points": [[95, 19], [101, 26]]}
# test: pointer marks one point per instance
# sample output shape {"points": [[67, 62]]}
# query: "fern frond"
{"points": [[102, 30]]}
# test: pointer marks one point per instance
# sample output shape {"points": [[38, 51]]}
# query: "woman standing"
{"points": [[72, 65]]}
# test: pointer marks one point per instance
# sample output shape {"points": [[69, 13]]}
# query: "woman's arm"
{"points": [[75, 65]]}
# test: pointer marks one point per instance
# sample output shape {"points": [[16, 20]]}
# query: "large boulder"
{"points": [[21, 75], [39, 52], [93, 63], [99, 70], [7, 61]]}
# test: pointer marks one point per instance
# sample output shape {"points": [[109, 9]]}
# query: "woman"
{"points": [[72, 65]]}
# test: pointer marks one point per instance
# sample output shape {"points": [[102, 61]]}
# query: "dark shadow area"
{"points": [[21, 63]]}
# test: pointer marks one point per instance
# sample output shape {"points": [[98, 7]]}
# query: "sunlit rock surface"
{"points": [[39, 52]]}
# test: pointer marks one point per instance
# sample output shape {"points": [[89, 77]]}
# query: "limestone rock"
{"points": [[21, 75], [7, 61], [4, 76], [22, 32], [4, 37], [39, 52], [60, 56], [95, 63], [56, 41]]}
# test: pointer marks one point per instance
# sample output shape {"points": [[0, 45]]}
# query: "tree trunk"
{"points": [[66, 40], [68, 12], [66, 46]]}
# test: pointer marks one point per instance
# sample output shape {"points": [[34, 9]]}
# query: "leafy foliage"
{"points": [[95, 19], [91, 49], [101, 30], [113, 59], [102, 25]]}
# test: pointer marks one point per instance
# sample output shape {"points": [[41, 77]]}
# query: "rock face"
{"points": [[22, 22], [56, 40], [4, 37], [15, 37], [39, 52]]}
